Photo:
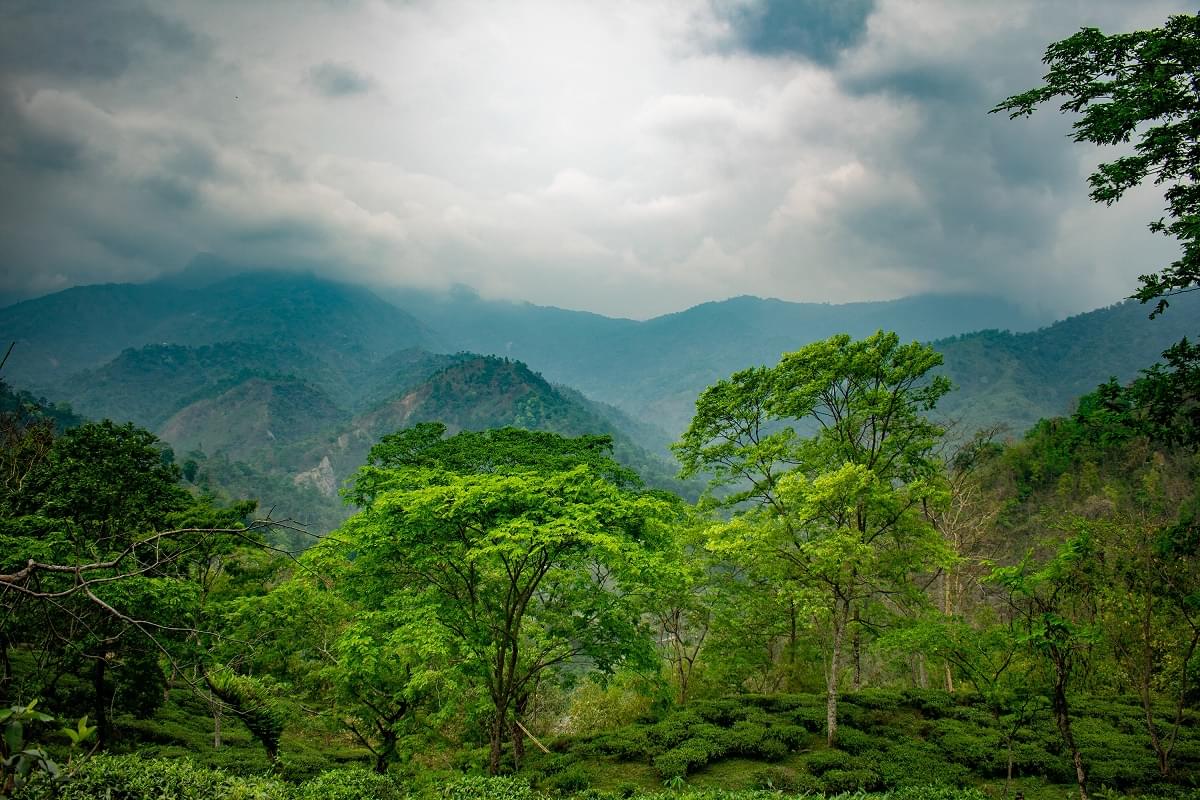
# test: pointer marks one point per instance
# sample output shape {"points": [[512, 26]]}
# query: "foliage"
{"points": [[514, 568], [1144, 84], [843, 508], [20, 757]]}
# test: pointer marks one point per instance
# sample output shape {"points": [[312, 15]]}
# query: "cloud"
{"points": [[630, 158], [338, 80], [818, 30], [90, 41]]}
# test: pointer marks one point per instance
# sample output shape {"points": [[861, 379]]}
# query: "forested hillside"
{"points": [[267, 536], [496, 575]]}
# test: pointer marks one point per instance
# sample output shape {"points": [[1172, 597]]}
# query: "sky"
{"points": [[628, 157]]}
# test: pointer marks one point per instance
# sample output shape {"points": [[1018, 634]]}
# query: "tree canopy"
{"points": [[1143, 85]]}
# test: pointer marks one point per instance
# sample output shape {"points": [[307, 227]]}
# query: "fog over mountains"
{"points": [[275, 384]]}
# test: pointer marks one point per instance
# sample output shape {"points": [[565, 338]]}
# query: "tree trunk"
{"points": [[497, 743], [100, 689], [1008, 773], [518, 735], [857, 684], [216, 715], [5, 663], [841, 615], [792, 632], [387, 751], [1062, 714]]}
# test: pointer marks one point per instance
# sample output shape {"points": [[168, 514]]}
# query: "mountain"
{"points": [[151, 383], [654, 369], [277, 384], [480, 392], [1016, 379], [83, 328], [253, 421]]}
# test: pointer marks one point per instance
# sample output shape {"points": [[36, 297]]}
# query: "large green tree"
{"points": [[829, 457], [515, 552]]}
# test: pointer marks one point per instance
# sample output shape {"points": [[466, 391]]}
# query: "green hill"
{"points": [[85, 327], [1016, 379]]}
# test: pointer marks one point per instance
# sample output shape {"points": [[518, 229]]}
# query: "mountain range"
{"points": [[275, 384]]}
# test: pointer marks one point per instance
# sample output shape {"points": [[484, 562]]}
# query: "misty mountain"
{"points": [[1018, 378], [277, 384], [346, 326], [654, 369]]}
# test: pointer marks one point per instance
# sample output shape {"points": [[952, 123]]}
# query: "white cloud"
{"points": [[601, 156]]}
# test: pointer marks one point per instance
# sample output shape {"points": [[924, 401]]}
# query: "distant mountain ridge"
{"points": [[276, 384], [84, 327]]}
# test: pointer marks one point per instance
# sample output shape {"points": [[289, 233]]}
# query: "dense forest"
{"points": [[837, 593]]}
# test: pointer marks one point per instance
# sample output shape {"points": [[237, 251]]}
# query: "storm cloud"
{"points": [[630, 158]]}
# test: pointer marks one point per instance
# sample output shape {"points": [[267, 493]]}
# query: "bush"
{"points": [[836, 781], [786, 780], [630, 743], [476, 787], [965, 744], [134, 777], [571, 779], [855, 742], [689, 756], [878, 699], [919, 764], [674, 729], [780, 703], [771, 749], [719, 712], [811, 719], [821, 761], [791, 735], [933, 703], [351, 784], [744, 738]]}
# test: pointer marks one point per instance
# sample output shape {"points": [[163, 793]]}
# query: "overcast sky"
{"points": [[629, 158]]}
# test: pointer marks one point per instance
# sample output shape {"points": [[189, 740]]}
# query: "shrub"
{"points": [[133, 778], [879, 699], [719, 712], [932, 703], [1114, 758], [674, 729], [351, 784], [688, 756], [780, 703], [744, 738], [791, 735], [821, 761], [965, 744], [771, 749], [571, 779], [811, 719], [919, 764], [836, 781], [477, 787], [855, 742], [630, 743], [595, 707]]}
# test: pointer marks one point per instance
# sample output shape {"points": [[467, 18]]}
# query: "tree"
{"points": [[1144, 84], [518, 564], [105, 561], [1054, 611], [842, 507]]}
